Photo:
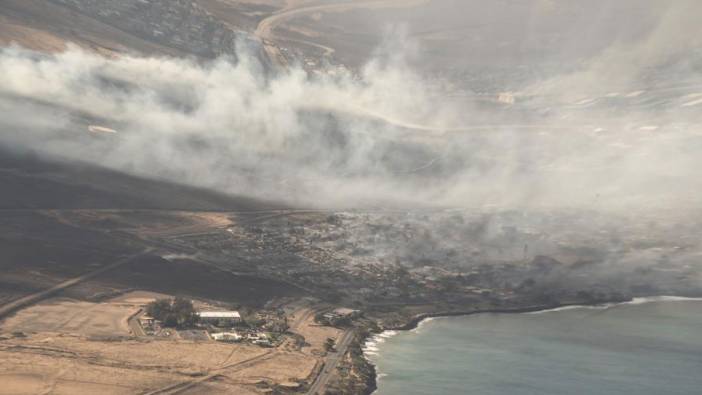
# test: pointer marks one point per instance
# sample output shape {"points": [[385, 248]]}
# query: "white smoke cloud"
{"points": [[382, 137]]}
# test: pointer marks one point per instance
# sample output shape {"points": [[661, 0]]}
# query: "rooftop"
{"points": [[345, 311], [219, 314]]}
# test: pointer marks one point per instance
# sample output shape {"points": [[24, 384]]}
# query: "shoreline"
{"points": [[416, 320]]}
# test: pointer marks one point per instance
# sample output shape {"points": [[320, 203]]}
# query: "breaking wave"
{"points": [[370, 348], [634, 301]]}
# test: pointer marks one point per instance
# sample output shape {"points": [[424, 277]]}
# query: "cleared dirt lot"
{"points": [[71, 316]]}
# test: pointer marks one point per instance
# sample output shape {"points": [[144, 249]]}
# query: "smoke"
{"points": [[384, 136], [665, 52], [221, 125]]}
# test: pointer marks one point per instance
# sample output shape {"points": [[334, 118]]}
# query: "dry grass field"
{"points": [[69, 364], [66, 346], [71, 316], [315, 335]]}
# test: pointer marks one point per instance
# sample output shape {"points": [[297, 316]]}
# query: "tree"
{"points": [[178, 312], [159, 308], [170, 320], [184, 312]]}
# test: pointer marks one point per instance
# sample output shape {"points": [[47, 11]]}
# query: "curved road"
{"points": [[265, 29]]}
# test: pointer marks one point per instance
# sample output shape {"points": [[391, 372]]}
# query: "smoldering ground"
{"points": [[619, 133]]}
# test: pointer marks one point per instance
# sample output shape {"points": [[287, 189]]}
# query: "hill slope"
{"points": [[157, 27], [30, 182]]}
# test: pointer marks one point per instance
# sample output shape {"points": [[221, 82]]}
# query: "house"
{"points": [[147, 322], [220, 318]]}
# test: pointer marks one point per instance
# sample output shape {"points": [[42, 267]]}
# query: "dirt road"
{"points": [[319, 384], [36, 297], [182, 386], [301, 316], [134, 325]]}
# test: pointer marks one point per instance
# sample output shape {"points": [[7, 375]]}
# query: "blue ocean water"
{"points": [[648, 347]]}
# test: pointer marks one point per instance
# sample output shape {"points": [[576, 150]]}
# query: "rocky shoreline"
{"points": [[371, 384]]}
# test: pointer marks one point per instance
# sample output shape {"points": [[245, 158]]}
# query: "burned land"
{"points": [[302, 174], [391, 265]]}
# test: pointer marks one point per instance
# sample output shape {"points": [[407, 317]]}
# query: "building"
{"points": [[146, 320], [226, 337], [334, 317], [260, 339], [345, 312], [220, 318]]}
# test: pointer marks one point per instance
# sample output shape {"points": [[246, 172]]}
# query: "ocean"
{"points": [[650, 346]]}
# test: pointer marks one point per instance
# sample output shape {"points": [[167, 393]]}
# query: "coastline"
{"points": [[416, 320]]}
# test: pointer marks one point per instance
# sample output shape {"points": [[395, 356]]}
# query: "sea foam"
{"points": [[634, 301], [370, 348]]}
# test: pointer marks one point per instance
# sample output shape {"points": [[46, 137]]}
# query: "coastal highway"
{"points": [[319, 384]]}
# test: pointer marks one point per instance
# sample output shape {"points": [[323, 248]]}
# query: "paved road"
{"points": [[265, 29], [320, 383], [29, 300]]}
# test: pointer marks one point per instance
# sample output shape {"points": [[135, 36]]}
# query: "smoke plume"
{"points": [[383, 136]]}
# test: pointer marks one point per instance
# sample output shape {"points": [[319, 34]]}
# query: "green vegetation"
{"points": [[176, 312]]}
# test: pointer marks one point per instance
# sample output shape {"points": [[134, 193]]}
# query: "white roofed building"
{"points": [[220, 318], [226, 337]]}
